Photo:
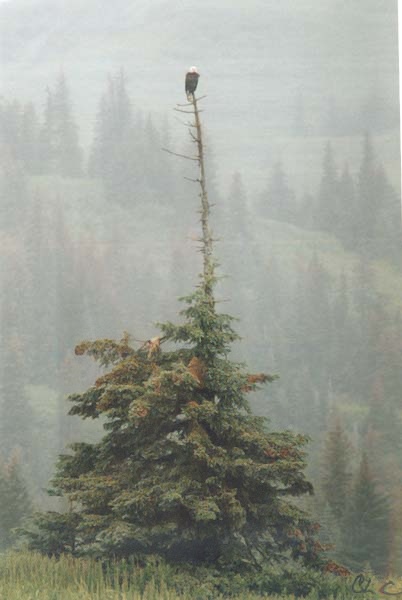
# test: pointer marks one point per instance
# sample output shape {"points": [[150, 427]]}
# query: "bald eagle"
{"points": [[191, 82]]}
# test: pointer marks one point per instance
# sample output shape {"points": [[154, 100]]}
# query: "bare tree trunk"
{"points": [[206, 238]]}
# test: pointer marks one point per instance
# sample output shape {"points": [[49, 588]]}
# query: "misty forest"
{"points": [[201, 320]]}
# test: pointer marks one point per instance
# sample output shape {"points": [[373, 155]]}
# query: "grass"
{"points": [[31, 576]]}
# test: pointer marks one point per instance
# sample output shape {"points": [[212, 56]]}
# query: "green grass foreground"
{"points": [[30, 576]]}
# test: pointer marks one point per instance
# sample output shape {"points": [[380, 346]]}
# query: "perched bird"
{"points": [[191, 82]]}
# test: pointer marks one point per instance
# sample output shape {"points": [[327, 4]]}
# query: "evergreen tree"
{"points": [[390, 242], [346, 229], [234, 215], [68, 151], [15, 504], [328, 205], [278, 201], [15, 412], [368, 220], [312, 324], [48, 137], [184, 470], [329, 534], [30, 139], [13, 192], [342, 338], [366, 533], [336, 475], [305, 215], [114, 150], [10, 127], [59, 150]]}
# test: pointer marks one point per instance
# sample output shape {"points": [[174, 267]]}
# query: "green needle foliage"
{"points": [[184, 469]]}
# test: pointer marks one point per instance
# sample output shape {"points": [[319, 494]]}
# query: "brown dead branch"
{"points": [[197, 369]]}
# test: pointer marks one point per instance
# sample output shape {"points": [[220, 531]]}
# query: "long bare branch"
{"points": [[187, 112], [190, 103], [195, 158]]}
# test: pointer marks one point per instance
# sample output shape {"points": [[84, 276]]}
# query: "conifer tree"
{"points": [[366, 533], [59, 149], [13, 192], [47, 145], [10, 127], [30, 139], [236, 217], [336, 475], [329, 535], [342, 337], [15, 504], [278, 201], [68, 151], [114, 150], [15, 412], [184, 469], [390, 235], [312, 324], [368, 219], [328, 209], [346, 229]]}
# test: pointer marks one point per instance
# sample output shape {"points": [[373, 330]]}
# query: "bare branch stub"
{"points": [[187, 112], [194, 158], [190, 103]]}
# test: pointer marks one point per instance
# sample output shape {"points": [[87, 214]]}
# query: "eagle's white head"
{"points": [[193, 70]]}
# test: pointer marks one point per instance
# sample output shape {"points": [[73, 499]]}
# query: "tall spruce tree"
{"points": [[115, 149], [328, 209], [30, 139], [368, 221], [278, 201], [15, 504], [184, 469], [68, 151], [366, 533], [346, 226], [47, 144], [336, 475]]}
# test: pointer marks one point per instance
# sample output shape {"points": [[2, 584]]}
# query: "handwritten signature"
{"points": [[361, 585]]}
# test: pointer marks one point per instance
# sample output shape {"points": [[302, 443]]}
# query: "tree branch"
{"points": [[196, 159], [190, 103]]}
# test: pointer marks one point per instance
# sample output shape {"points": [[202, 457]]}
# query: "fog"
{"points": [[98, 223]]}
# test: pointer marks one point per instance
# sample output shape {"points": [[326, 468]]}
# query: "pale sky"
{"points": [[400, 63]]}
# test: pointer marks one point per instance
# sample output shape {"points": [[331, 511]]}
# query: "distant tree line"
{"points": [[49, 145], [363, 212], [332, 119], [338, 351]]}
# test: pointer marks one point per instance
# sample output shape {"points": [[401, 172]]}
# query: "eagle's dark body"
{"points": [[191, 82]]}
